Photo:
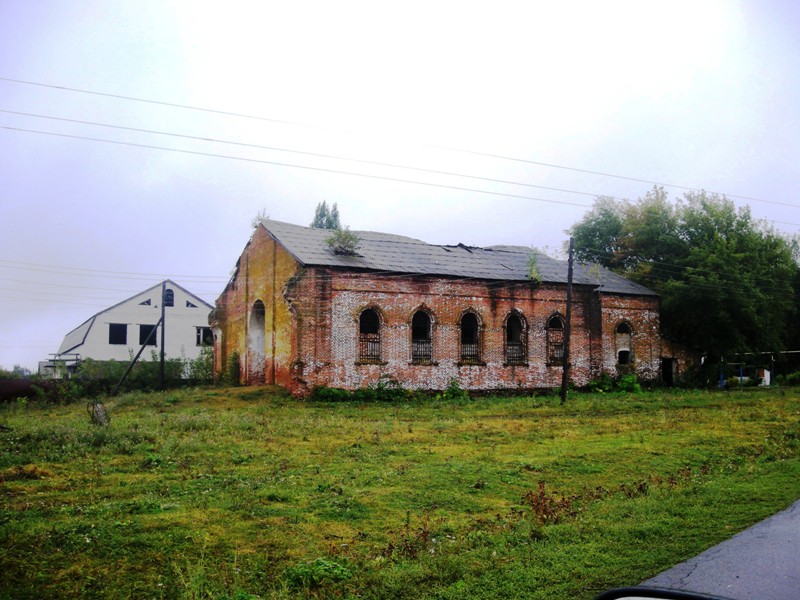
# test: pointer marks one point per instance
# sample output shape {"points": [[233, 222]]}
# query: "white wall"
{"points": [[181, 327]]}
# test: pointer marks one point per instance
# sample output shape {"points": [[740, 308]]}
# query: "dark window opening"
{"points": [[470, 339], [169, 297], [117, 333], [147, 335], [555, 341], [421, 341], [190, 304], [204, 336], [515, 341], [624, 344], [369, 336], [147, 302]]}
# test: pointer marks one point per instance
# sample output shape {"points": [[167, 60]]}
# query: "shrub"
{"points": [[629, 383], [454, 393], [201, 369], [231, 371], [327, 394], [792, 378], [604, 384]]}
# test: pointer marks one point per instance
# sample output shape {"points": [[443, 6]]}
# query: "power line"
{"points": [[66, 271], [339, 130], [306, 167], [307, 153]]}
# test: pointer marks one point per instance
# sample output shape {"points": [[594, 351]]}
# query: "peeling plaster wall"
{"points": [[263, 272], [642, 314]]}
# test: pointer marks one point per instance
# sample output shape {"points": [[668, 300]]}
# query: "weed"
{"points": [[313, 574], [549, 507]]}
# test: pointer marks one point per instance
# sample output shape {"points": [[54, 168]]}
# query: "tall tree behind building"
{"points": [[726, 281], [326, 218]]}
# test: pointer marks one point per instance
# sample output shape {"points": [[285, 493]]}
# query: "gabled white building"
{"points": [[117, 333]]}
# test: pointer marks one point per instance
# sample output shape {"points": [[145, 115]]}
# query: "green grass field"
{"points": [[246, 493]]}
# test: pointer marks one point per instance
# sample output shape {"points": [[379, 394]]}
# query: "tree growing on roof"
{"points": [[343, 241], [326, 218]]}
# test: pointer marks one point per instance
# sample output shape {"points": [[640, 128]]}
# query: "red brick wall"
{"points": [[327, 331], [311, 324]]}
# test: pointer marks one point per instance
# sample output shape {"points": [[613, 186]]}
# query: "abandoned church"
{"points": [[298, 314]]}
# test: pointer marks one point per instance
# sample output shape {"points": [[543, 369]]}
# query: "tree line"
{"points": [[729, 284]]}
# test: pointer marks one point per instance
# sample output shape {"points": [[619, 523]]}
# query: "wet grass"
{"points": [[244, 492]]}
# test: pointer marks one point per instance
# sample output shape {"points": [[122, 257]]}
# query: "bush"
{"points": [[231, 372], [604, 384], [454, 393], [629, 383], [327, 394], [201, 369], [792, 378]]}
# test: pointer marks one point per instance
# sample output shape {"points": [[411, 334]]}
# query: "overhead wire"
{"points": [[350, 132], [296, 166], [337, 171], [137, 276], [350, 159], [304, 153]]}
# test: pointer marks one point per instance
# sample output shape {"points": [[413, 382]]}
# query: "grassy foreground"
{"points": [[245, 493]]}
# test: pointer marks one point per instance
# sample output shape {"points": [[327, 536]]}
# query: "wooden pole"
{"points": [[567, 327], [163, 322]]}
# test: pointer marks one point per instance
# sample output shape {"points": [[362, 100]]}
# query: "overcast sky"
{"points": [[295, 102]]}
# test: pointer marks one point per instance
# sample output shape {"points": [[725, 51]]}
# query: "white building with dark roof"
{"points": [[118, 332]]}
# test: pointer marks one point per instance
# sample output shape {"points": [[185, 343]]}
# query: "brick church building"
{"points": [[299, 315]]}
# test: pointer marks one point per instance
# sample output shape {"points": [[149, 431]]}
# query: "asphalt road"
{"points": [[760, 563]]}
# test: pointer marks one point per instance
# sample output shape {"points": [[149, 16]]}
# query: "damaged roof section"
{"points": [[401, 254]]}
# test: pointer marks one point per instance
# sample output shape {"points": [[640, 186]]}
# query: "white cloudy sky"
{"points": [[562, 101]]}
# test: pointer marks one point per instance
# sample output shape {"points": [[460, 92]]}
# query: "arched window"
{"points": [[421, 339], [623, 343], [470, 339], [169, 297], [555, 340], [369, 336], [256, 344], [516, 351]]}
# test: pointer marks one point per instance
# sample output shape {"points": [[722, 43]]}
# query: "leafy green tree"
{"points": [[726, 281], [326, 218]]}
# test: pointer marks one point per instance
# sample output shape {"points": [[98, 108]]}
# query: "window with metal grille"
{"points": [[555, 341], [421, 339], [515, 341], [169, 297], [470, 339], [369, 336]]}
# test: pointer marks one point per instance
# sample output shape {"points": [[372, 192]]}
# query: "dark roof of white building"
{"points": [[385, 252]]}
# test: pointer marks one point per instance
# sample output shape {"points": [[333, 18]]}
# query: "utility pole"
{"points": [[163, 323], [567, 327]]}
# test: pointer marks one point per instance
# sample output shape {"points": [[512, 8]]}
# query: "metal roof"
{"points": [[385, 252]]}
